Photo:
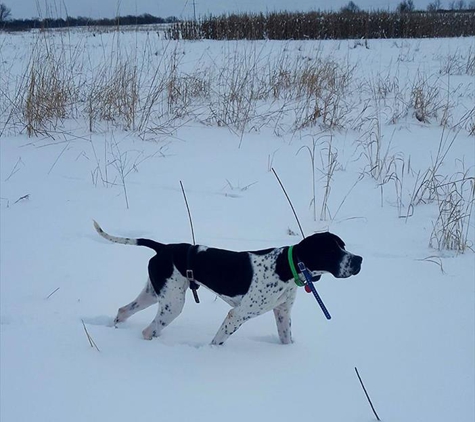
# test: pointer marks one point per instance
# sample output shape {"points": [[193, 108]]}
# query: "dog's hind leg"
{"points": [[146, 298], [171, 301]]}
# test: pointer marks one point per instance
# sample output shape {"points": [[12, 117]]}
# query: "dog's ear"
{"points": [[334, 238], [320, 243], [339, 242]]}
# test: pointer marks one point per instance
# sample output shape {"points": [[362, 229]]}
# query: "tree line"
{"points": [[36, 23]]}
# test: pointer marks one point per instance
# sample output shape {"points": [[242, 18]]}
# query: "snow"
{"points": [[408, 326]]}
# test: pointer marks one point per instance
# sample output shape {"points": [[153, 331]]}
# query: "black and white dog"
{"points": [[251, 282]]}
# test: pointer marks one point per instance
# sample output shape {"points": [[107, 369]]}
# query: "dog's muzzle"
{"points": [[350, 265]]}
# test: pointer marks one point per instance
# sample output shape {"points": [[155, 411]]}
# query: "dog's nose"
{"points": [[356, 264]]}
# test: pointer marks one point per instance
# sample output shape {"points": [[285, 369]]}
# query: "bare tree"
{"points": [[434, 6], [405, 6], [5, 12], [351, 7]]}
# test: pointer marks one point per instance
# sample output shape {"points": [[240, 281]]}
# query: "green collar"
{"points": [[292, 267]]}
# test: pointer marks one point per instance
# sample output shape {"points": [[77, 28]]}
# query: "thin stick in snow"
{"points": [[58, 157], [189, 213], [90, 339], [290, 202], [21, 198], [52, 293], [15, 169], [189, 272], [366, 393]]}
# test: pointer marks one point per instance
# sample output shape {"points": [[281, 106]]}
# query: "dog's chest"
{"points": [[267, 290]]}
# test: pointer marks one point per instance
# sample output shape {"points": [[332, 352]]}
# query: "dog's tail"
{"points": [[156, 246]]}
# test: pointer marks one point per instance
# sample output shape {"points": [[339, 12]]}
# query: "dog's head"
{"points": [[326, 253]]}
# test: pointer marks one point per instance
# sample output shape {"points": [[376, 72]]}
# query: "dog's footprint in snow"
{"points": [[104, 320]]}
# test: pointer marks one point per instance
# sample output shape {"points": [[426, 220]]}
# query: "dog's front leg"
{"points": [[230, 325], [282, 319]]}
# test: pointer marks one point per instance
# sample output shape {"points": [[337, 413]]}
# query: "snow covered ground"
{"points": [[407, 321]]}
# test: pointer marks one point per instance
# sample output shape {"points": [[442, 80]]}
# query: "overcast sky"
{"points": [[180, 8]]}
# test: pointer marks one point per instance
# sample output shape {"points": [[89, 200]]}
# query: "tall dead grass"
{"points": [[50, 92], [455, 203], [153, 91], [113, 95]]}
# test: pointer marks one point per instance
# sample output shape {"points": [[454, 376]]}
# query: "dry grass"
{"points": [[329, 165], [50, 93], [150, 92], [459, 63], [113, 95], [425, 99], [455, 204]]}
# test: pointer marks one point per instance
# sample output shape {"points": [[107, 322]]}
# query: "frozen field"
{"points": [[117, 120]]}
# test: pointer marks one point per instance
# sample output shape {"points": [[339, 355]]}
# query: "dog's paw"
{"points": [[101, 320], [149, 333], [122, 315]]}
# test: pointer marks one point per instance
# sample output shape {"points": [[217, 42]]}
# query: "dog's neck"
{"points": [[283, 269]]}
